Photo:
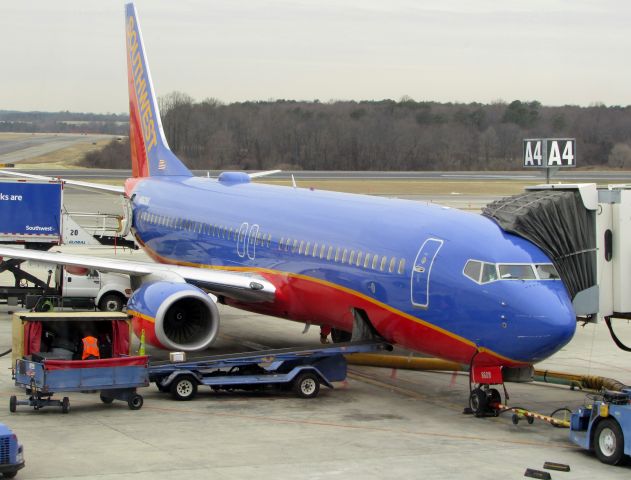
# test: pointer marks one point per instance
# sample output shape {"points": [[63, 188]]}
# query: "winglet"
{"points": [[150, 152]]}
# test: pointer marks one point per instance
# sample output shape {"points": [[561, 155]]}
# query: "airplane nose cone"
{"points": [[541, 323]]}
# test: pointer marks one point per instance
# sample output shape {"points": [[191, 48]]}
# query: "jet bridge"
{"points": [[586, 231]]}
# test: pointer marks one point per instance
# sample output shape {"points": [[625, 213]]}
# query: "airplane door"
{"points": [[421, 272]]}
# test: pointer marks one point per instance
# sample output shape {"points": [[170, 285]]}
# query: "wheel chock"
{"points": [[560, 467], [532, 473]]}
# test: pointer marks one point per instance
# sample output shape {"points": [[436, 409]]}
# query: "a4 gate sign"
{"points": [[549, 152]]}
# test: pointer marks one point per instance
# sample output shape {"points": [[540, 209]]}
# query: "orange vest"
{"points": [[90, 347]]}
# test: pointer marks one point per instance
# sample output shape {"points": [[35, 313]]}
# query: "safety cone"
{"points": [[141, 350]]}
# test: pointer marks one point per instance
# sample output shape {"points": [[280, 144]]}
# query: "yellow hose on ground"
{"points": [[591, 382]]}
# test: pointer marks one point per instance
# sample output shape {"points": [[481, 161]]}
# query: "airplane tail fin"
{"points": [[150, 152]]}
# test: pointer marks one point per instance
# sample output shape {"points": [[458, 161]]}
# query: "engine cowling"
{"points": [[174, 316]]}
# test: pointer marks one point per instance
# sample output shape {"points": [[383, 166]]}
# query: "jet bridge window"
{"points": [[516, 272]]}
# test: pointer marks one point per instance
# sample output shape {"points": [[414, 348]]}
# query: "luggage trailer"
{"points": [[302, 371]]}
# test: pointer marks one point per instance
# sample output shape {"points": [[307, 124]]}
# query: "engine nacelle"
{"points": [[174, 316]]}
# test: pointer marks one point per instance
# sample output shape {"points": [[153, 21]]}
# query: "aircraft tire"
{"points": [[340, 336], [478, 402]]}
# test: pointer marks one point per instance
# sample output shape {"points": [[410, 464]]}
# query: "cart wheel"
{"points": [[135, 402], [65, 405], [307, 385], [609, 442], [105, 399], [184, 387], [530, 420], [9, 474], [13, 402], [478, 402], [515, 419]]}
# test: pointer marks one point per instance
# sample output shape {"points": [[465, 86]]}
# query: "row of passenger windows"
{"points": [[316, 250], [483, 272], [214, 230], [342, 255]]}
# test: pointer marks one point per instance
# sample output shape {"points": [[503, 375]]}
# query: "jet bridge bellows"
{"points": [[558, 223]]}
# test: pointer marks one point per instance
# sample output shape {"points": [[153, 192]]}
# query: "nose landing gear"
{"points": [[484, 401]]}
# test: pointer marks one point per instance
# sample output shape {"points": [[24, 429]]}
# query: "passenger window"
{"points": [[393, 261], [308, 248], [344, 255], [359, 259], [367, 261], [351, 259], [329, 254], [280, 244], [489, 273], [294, 247], [547, 272], [401, 266], [472, 270], [375, 262], [300, 249], [337, 254], [322, 249], [315, 250], [384, 259], [269, 239], [516, 272]]}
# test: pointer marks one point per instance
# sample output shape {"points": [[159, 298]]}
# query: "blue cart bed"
{"points": [[116, 378], [282, 369]]}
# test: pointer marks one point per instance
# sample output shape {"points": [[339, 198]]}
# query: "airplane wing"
{"points": [[77, 183], [239, 286]]}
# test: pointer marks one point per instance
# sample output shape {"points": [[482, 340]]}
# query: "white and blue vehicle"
{"points": [[11, 453]]}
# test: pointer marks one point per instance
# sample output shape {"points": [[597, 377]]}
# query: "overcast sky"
{"points": [[70, 54]]}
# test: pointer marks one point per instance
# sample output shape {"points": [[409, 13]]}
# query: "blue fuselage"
{"points": [[400, 261]]}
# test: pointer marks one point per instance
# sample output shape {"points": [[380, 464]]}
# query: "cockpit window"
{"points": [[489, 273], [547, 271], [516, 272], [483, 272], [472, 270]]}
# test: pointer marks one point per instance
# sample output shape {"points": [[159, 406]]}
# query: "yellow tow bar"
{"points": [[518, 413]]}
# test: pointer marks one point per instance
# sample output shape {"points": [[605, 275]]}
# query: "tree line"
{"points": [[378, 135]]}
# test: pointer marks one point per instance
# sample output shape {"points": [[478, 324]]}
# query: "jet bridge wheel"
{"points": [[609, 442]]}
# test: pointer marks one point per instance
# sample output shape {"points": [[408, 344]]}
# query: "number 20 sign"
{"points": [[549, 152]]}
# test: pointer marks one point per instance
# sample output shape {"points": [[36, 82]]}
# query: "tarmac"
{"points": [[380, 423]]}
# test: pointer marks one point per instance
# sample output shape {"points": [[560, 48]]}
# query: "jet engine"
{"points": [[174, 316]]}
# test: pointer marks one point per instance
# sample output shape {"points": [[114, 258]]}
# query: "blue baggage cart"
{"points": [[300, 370], [115, 378]]}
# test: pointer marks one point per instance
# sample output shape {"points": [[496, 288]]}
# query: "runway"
{"points": [[566, 175], [15, 148]]}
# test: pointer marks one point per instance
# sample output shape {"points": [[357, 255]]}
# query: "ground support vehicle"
{"points": [[302, 371], [605, 426], [11, 453], [115, 378]]}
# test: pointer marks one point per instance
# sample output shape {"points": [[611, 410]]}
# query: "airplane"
{"points": [[429, 278]]}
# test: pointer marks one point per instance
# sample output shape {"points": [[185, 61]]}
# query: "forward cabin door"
{"points": [[421, 271]]}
